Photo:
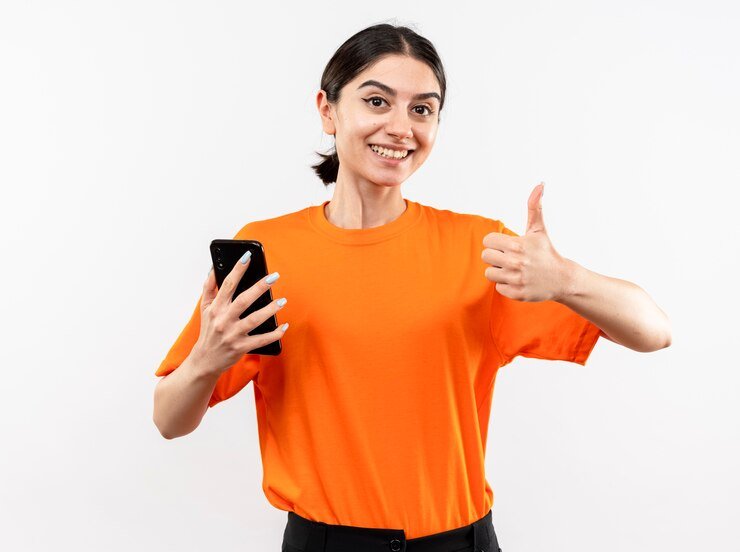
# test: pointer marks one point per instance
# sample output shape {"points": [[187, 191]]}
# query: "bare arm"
{"points": [[623, 308], [181, 397]]}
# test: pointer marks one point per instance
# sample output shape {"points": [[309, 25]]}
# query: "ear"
{"points": [[326, 111]]}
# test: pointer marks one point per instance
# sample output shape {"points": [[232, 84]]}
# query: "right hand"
{"points": [[224, 336]]}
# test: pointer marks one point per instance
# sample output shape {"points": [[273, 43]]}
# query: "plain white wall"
{"points": [[132, 134]]}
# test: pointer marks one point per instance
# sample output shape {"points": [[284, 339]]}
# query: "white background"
{"points": [[134, 133]]}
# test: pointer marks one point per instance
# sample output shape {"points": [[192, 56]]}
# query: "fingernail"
{"points": [[272, 277], [245, 257]]}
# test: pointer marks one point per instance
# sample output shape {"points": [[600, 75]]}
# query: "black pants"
{"points": [[304, 535]]}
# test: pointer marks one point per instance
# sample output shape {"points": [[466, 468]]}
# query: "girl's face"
{"points": [[393, 103]]}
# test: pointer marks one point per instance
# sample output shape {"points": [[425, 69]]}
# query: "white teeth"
{"points": [[389, 153]]}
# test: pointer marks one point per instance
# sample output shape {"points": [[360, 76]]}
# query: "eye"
{"points": [[374, 98]]}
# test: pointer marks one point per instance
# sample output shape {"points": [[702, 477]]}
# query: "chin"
{"points": [[386, 183], [382, 178]]}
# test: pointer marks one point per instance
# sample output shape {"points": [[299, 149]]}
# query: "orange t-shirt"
{"points": [[376, 412]]}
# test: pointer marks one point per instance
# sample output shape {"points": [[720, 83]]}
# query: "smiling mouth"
{"points": [[389, 157]]}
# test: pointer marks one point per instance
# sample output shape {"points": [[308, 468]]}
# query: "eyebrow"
{"points": [[388, 90]]}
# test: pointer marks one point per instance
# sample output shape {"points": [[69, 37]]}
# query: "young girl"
{"points": [[373, 419]]}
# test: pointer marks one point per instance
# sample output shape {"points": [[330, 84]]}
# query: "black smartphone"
{"points": [[225, 254]]}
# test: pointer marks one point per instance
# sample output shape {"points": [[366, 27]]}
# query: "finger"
{"points": [[498, 275], [228, 286], [254, 319], [535, 219], [249, 296], [498, 259], [209, 290], [252, 342], [502, 242]]}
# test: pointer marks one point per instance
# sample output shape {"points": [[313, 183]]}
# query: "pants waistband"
{"points": [[304, 535]]}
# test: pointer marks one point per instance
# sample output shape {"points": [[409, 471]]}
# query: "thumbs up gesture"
{"points": [[526, 268]]}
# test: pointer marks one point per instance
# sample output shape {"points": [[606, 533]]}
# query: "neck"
{"points": [[364, 206]]}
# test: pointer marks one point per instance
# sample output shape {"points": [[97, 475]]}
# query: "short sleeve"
{"points": [[230, 382], [545, 329]]}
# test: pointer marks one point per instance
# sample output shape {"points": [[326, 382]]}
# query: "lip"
{"points": [[396, 147], [386, 160]]}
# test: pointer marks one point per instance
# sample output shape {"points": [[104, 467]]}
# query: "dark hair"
{"points": [[357, 53]]}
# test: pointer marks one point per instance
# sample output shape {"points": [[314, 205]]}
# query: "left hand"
{"points": [[526, 268]]}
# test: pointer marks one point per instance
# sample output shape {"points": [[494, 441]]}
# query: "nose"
{"points": [[399, 124]]}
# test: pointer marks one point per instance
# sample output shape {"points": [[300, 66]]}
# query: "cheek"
{"points": [[368, 126], [360, 129], [425, 146], [429, 136]]}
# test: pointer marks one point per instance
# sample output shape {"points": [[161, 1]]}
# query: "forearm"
{"points": [[622, 309], [181, 398]]}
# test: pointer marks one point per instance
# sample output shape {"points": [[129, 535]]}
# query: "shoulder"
{"points": [[284, 222], [472, 221]]}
